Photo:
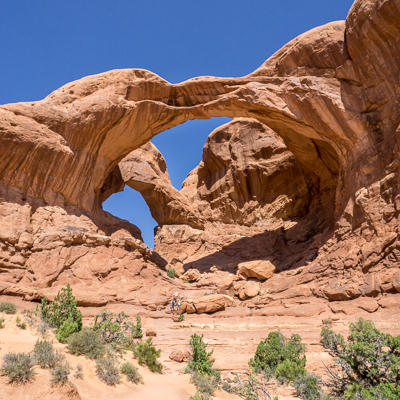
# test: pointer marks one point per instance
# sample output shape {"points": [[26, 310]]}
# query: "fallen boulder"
{"points": [[207, 304], [248, 290], [191, 275], [260, 269], [177, 356]]}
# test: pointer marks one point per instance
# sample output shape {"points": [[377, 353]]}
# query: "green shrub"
{"points": [[1, 321], [199, 360], [59, 374], [172, 273], [385, 391], [137, 332], [331, 340], [206, 384], [8, 307], [45, 355], [18, 367], [67, 329], [63, 307], [288, 371], [88, 343], [308, 386], [147, 354], [117, 330], [366, 364], [107, 370], [275, 349], [181, 317], [131, 372]]}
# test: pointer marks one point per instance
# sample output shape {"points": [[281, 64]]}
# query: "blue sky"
{"points": [[45, 44]]}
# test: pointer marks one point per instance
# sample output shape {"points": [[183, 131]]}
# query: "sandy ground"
{"points": [[234, 339], [168, 385]]}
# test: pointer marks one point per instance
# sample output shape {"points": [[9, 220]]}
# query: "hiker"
{"points": [[173, 304], [179, 305]]}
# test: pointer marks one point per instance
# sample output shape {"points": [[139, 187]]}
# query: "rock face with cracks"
{"points": [[305, 177]]}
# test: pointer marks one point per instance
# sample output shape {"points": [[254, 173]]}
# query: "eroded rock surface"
{"points": [[306, 177]]}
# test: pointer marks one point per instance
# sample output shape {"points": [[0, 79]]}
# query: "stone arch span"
{"points": [[308, 93]]}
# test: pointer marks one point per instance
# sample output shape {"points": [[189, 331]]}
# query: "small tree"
{"points": [[275, 349], [63, 310], [367, 364], [147, 354], [199, 359]]}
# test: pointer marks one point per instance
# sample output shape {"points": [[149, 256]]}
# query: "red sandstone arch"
{"points": [[314, 92]]}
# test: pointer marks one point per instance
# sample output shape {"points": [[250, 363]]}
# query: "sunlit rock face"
{"points": [[305, 177]]}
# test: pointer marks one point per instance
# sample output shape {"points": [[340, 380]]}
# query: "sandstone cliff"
{"points": [[322, 207]]}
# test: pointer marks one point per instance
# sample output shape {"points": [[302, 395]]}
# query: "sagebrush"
{"points": [[18, 367], [88, 343], [45, 355], [131, 372], [107, 370], [59, 374], [7, 307]]}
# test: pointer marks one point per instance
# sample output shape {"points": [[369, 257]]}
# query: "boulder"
{"points": [[260, 269], [191, 275], [151, 332], [177, 355], [207, 304], [248, 290]]}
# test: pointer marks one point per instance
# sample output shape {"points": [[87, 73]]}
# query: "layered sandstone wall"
{"points": [[327, 197]]}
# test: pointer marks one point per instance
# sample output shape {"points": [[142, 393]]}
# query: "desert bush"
{"points": [[59, 374], [366, 364], [181, 317], [147, 354], [18, 367], [67, 329], [288, 371], [45, 355], [79, 372], [308, 386], [117, 330], [171, 272], [199, 360], [131, 372], [206, 384], [275, 349], [107, 370], [63, 308], [7, 307], [1, 321], [331, 340], [88, 343]]}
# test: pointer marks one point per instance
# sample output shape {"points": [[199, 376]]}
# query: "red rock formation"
{"points": [[330, 94]]}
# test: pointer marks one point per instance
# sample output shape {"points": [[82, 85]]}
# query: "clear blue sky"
{"points": [[45, 44]]}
